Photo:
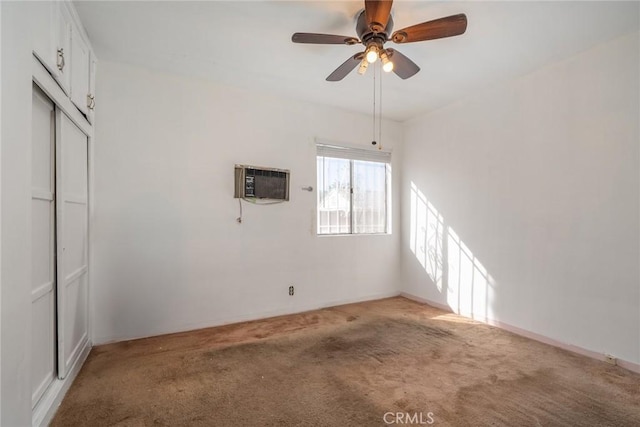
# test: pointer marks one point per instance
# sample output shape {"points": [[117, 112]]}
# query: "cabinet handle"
{"points": [[60, 59], [91, 101]]}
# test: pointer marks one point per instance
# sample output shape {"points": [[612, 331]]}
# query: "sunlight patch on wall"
{"points": [[427, 231], [467, 285]]}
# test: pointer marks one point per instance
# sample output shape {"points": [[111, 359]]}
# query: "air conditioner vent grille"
{"points": [[261, 183]]}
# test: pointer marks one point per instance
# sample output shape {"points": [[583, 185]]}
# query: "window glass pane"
{"points": [[369, 197], [334, 198]]}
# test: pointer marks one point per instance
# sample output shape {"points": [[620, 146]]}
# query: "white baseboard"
{"points": [[631, 366], [45, 409], [412, 297], [246, 318]]}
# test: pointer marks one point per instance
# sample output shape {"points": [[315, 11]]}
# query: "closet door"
{"points": [[72, 241], [43, 313]]}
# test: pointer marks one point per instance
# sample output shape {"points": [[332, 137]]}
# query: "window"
{"points": [[353, 190]]}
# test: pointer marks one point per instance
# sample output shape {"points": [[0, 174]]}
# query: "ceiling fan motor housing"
{"points": [[367, 36]]}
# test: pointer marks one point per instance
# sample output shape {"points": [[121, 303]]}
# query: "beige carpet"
{"points": [[348, 365]]}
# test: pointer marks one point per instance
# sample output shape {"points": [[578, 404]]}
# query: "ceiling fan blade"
{"points": [[323, 39], [378, 12], [444, 27], [402, 66], [346, 67]]}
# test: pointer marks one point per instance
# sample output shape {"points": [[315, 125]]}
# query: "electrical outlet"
{"points": [[291, 290], [610, 359]]}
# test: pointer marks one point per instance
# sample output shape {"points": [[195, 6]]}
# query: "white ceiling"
{"points": [[247, 44]]}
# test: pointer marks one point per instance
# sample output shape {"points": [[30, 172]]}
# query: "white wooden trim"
{"points": [[46, 382], [1, 257], [75, 275], [631, 366], [322, 141], [531, 335], [39, 194], [75, 198], [75, 353], [351, 152], [48, 405], [90, 210], [49, 86], [61, 371], [41, 291], [437, 305]]}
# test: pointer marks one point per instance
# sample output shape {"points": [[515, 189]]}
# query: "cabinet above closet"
{"points": [[62, 46]]}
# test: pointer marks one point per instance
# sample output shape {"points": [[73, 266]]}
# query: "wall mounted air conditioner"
{"points": [[261, 183]]}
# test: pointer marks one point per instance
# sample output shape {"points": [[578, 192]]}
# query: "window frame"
{"points": [[352, 155]]}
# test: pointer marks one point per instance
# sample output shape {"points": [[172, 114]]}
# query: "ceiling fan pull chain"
{"points": [[380, 113], [373, 140]]}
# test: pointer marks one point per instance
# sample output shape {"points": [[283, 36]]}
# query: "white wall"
{"points": [[168, 253], [15, 223], [0, 209], [539, 180]]}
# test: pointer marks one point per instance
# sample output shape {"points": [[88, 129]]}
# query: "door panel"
{"points": [[41, 241], [76, 320], [79, 70], [75, 257], [63, 46], [43, 344], [71, 152], [74, 173], [42, 139], [43, 340]]}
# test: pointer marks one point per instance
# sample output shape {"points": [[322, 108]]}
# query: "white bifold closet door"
{"points": [[72, 241], [43, 274]]}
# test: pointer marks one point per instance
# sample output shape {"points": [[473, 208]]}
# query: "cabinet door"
{"points": [[62, 23], [43, 21], [72, 241], [93, 62], [79, 71]]}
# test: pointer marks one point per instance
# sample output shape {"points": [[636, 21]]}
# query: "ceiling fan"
{"points": [[374, 25]]}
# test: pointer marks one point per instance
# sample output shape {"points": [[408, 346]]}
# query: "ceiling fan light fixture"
{"points": [[363, 66], [372, 53], [387, 65], [374, 28]]}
